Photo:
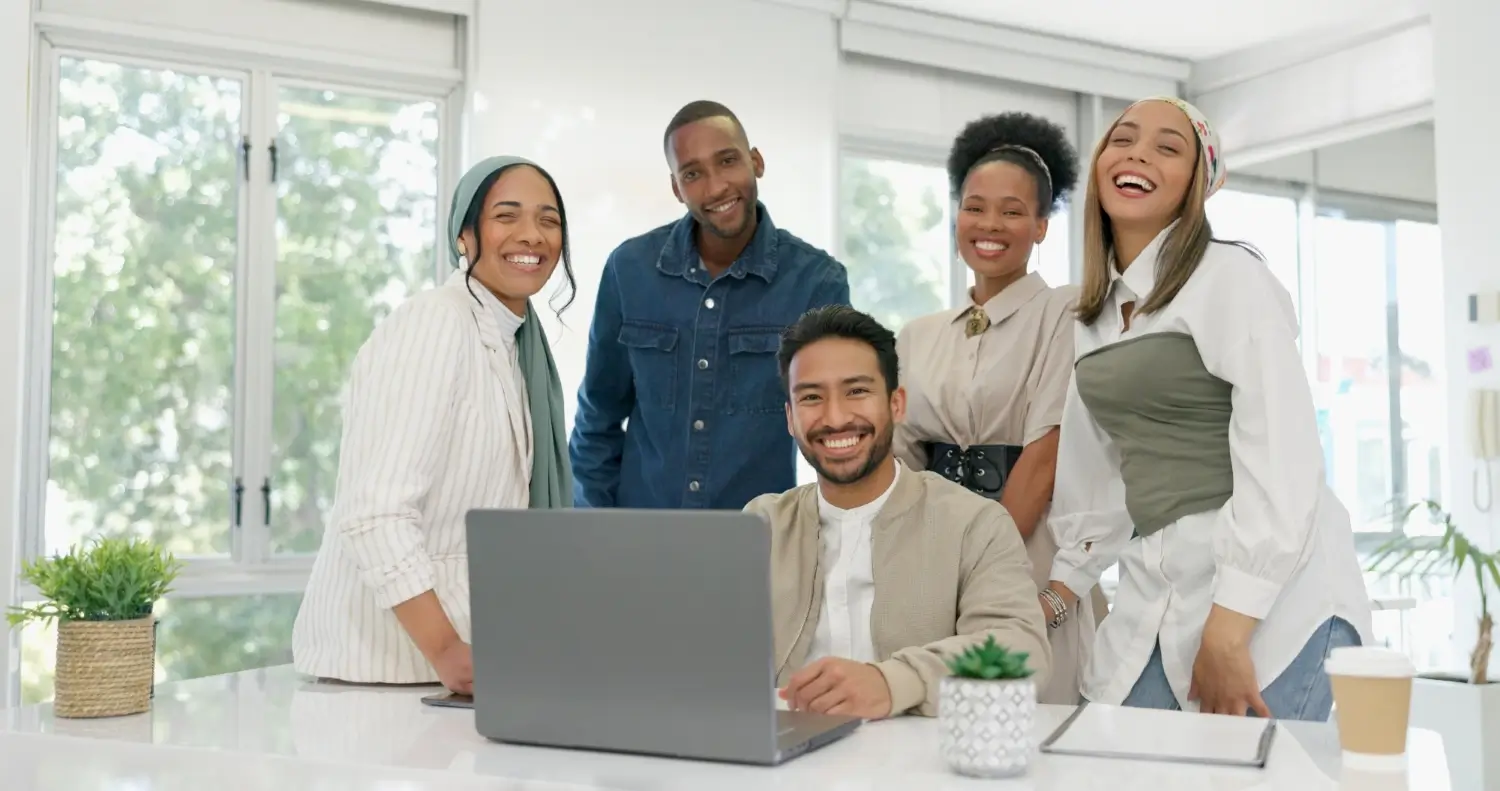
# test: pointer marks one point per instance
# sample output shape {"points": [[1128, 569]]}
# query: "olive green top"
{"points": [[1169, 418]]}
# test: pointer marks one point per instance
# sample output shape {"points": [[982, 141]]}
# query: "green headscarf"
{"points": [[551, 477]]}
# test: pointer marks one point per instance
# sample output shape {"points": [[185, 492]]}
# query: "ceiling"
{"points": [[1193, 31]]}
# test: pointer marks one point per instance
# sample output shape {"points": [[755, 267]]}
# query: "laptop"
{"points": [[635, 631]]}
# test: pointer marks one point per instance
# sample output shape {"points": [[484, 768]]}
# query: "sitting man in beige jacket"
{"points": [[880, 572]]}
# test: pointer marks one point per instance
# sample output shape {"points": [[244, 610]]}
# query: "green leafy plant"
{"points": [[111, 579], [990, 661], [1409, 557]]}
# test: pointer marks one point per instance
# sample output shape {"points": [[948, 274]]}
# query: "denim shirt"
{"points": [[690, 361]]}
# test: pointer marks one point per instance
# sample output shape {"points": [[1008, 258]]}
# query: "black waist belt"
{"points": [[982, 469]]}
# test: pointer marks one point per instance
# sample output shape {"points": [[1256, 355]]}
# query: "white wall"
{"points": [[1465, 62], [360, 30], [926, 107], [1302, 95], [586, 88], [15, 68], [1397, 164]]}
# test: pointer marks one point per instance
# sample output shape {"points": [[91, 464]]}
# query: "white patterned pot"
{"points": [[985, 726]]}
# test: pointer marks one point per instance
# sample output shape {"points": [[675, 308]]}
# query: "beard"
{"points": [[710, 222], [880, 447]]}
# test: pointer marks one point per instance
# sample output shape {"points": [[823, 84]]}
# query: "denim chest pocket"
{"points": [[652, 349], [755, 380]]}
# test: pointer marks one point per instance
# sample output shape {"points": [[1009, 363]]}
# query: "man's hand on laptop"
{"points": [[839, 686]]}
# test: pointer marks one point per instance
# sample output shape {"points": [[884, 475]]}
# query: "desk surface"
{"points": [[274, 730]]}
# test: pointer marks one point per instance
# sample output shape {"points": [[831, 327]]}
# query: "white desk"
{"points": [[270, 730]]}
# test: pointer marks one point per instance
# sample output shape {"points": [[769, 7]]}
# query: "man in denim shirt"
{"points": [[684, 338]]}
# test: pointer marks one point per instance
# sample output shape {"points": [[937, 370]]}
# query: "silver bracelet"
{"points": [[1059, 608]]}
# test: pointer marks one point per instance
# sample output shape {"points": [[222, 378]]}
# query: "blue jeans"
{"points": [[1301, 692]]}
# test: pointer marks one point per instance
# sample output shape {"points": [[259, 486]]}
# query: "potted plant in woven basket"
{"points": [[101, 596], [985, 711]]}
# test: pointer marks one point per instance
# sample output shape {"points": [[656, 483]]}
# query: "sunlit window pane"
{"points": [[896, 238], [1352, 385], [143, 330], [356, 225], [1266, 222]]}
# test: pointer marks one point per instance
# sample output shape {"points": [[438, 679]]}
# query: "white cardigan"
{"points": [[435, 423]]}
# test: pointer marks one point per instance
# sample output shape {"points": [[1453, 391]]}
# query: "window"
{"points": [[1053, 258], [355, 235], [1351, 386], [222, 240], [1381, 390], [1267, 222], [1423, 379], [146, 238], [896, 238], [1380, 382]]}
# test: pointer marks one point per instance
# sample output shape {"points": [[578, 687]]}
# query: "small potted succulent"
{"points": [[985, 711], [102, 597]]}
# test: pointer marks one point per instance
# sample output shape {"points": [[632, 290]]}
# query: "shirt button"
{"points": [[702, 364], [693, 486], [697, 425], [709, 303]]}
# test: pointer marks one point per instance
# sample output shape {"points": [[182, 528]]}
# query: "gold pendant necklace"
{"points": [[978, 322]]}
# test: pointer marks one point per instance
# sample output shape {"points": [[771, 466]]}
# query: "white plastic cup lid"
{"points": [[1368, 661]]}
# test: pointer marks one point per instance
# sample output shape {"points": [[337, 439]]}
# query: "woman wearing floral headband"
{"points": [[985, 382], [1190, 451]]}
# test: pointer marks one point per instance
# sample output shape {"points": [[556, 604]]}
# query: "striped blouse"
{"points": [[435, 423]]}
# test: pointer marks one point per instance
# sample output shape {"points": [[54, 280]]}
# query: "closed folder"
{"points": [[1101, 731]]}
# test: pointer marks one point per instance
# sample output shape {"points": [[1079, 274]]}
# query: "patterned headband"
{"points": [[1208, 140], [1027, 152]]}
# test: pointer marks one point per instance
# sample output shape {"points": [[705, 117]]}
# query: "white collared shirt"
{"points": [[1280, 550], [849, 584]]}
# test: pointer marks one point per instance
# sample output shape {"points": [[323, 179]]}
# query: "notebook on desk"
{"points": [[1101, 731]]}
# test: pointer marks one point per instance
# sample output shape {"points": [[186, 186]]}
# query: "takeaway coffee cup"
{"points": [[1372, 695]]}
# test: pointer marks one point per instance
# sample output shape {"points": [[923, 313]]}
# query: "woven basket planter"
{"points": [[104, 668]]}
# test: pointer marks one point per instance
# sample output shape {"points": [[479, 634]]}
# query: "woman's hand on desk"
{"points": [[1223, 675], [423, 618], [455, 667]]}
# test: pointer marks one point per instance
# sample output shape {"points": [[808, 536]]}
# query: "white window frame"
{"points": [[261, 66]]}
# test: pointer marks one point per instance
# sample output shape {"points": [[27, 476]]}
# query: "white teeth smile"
{"points": [[723, 207], [841, 444], [991, 247], [525, 261], [1132, 180]]}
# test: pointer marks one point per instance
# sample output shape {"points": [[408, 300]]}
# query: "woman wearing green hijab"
{"points": [[453, 403]]}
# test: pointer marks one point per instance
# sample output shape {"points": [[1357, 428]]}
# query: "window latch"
{"points": [[274, 160], [265, 493], [237, 493], [245, 156]]}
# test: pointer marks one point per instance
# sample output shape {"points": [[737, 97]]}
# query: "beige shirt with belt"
{"points": [[1004, 386]]}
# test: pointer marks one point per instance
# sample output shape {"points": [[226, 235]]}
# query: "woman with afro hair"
{"points": [[986, 381]]}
